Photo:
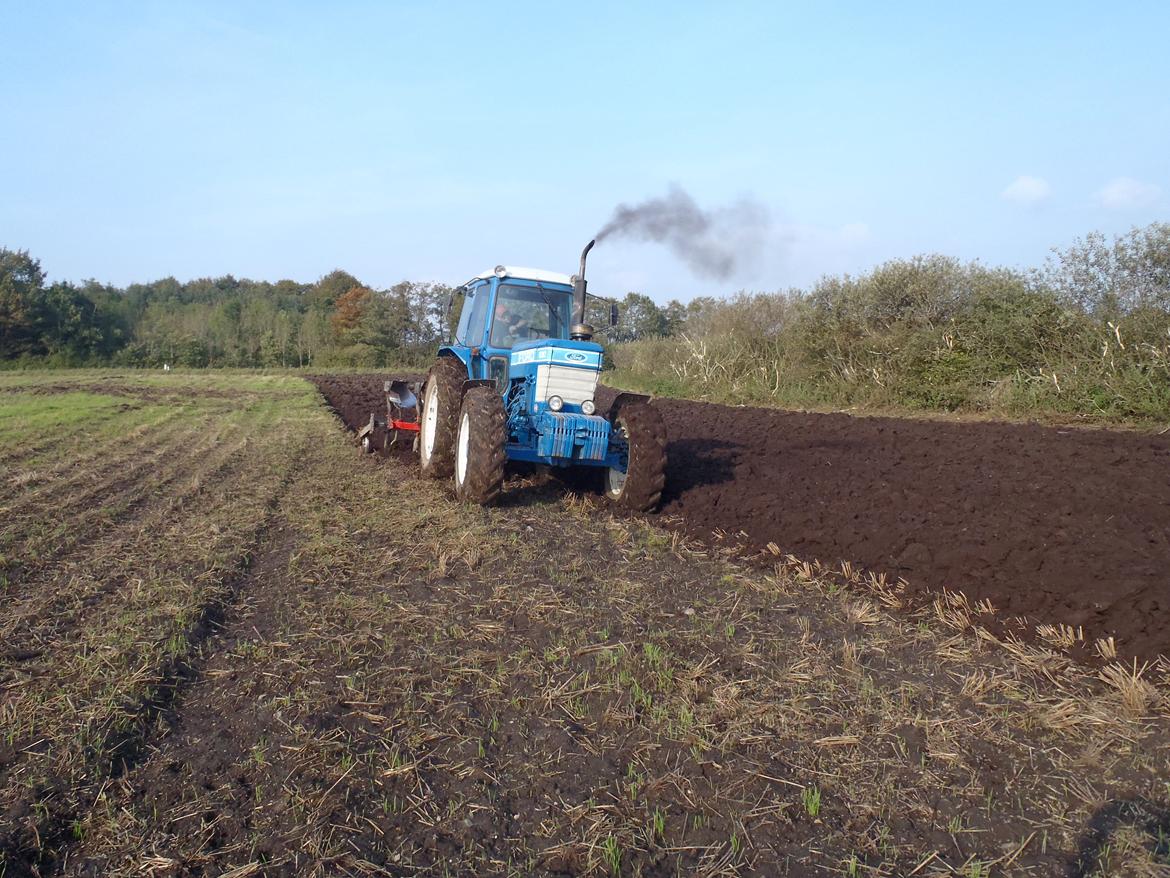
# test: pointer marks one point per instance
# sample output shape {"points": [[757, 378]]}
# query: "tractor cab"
{"points": [[506, 308]]}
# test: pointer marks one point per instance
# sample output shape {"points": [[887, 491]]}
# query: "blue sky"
{"points": [[429, 140]]}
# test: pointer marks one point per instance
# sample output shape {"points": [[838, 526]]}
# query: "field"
{"points": [[233, 645], [1051, 526]]}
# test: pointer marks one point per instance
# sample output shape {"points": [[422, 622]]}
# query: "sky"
{"points": [[429, 141]]}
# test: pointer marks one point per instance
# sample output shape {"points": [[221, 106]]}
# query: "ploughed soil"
{"points": [[1067, 526]]}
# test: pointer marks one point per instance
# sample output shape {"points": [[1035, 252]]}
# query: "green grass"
{"points": [[25, 416], [118, 539]]}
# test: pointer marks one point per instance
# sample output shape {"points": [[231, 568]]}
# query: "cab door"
{"points": [[473, 326]]}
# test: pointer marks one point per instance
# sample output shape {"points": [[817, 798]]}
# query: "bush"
{"points": [[1088, 336]]}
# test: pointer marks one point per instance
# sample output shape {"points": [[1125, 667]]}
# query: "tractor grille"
{"points": [[571, 384], [573, 437]]}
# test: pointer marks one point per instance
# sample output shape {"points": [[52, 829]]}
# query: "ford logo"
{"points": [[576, 357]]}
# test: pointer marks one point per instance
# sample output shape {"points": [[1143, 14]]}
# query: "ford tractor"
{"points": [[518, 382]]}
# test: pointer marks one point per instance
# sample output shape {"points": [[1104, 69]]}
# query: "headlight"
{"points": [[588, 407], [556, 403], [501, 271]]}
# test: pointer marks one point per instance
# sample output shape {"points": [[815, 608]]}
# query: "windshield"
{"points": [[525, 313]]}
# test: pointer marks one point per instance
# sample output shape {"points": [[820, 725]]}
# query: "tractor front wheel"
{"points": [[639, 488], [479, 446], [438, 417]]}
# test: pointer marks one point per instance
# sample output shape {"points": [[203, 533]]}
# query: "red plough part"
{"points": [[401, 399]]}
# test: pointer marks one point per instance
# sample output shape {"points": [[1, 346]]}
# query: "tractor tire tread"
{"points": [[646, 474], [486, 453], [448, 375]]}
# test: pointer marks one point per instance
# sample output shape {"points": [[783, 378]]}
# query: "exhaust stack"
{"points": [[580, 330]]}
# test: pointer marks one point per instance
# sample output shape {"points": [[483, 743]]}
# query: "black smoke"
{"points": [[714, 243]]}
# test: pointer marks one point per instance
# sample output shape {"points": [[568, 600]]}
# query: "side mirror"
{"points": [[613, 314]]}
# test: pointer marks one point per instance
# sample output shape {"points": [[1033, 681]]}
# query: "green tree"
{"points": [[674, 317], [639, 318], [69, 327], [312, 337], [21, 304], [1111, 278], [324, 294]]}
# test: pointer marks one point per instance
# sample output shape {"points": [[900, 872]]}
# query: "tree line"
{"points": [[214, 322], [225, 321]]}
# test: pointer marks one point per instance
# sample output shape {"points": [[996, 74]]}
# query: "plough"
{"points": [[401, 398]]}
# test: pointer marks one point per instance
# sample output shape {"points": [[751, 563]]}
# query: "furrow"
{"points": [[50, 533], [79, 581], [71, 463]]}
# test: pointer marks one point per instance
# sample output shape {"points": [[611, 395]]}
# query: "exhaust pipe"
{"points": [[580, 330]]}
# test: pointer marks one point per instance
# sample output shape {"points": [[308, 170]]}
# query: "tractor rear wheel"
{"points": [[438, 416], [639, 488], [479, 446]]}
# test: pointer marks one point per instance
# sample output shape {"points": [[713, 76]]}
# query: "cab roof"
{"points": [[536, 274]]}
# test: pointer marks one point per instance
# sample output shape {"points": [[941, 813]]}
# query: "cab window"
{"points": [[474, 316], [526, 313]]}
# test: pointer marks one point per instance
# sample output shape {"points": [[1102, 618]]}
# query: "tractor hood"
{"points": [[558, 351], [560, 374]]}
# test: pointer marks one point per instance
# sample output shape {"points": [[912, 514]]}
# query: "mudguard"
{"points": [[478, 382], [623, 399]]}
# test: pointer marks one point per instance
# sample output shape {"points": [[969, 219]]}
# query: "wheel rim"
{"points": [[430, 420], [461, 449], [615, 481]]}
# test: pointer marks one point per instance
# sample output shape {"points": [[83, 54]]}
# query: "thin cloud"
{"points": [[1124, 193], [855, 233], [1027, 191]]}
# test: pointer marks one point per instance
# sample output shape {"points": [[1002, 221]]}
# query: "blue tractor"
{"points": [[518, 382]]}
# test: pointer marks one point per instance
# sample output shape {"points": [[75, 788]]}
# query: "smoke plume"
{"points": [[714, 243]]}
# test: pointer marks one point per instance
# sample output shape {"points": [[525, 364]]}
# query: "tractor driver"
{"points": [[510, 327]]}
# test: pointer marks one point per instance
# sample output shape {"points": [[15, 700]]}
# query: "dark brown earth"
{"points": [[1062, 526], [1066, 526]]}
